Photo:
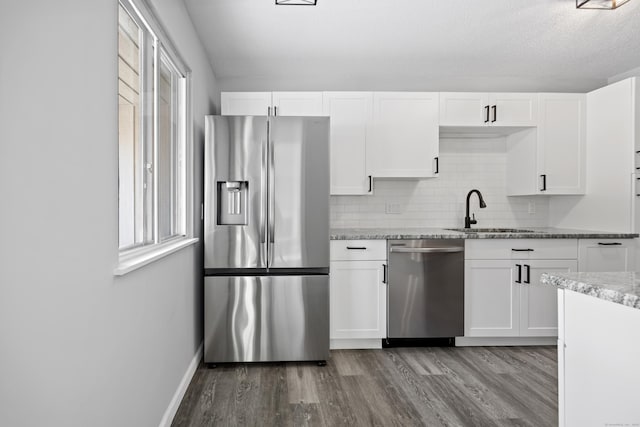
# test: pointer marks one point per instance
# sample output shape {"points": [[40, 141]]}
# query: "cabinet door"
{"points": [[297, 103], [404, 136], [463, 109], [561, 142], [350, 114], [358, 300], [539, 303], [491, 299], [245, 103], [606, 254], [513, 109]]}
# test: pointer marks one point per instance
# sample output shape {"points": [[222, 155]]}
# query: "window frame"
{"points": [[152, 246]]}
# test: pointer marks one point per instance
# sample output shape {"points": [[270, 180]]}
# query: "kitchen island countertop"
{"points": [[442, 233], [618, 287]]}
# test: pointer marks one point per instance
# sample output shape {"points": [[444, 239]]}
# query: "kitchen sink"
{"points": [[491, 230]]}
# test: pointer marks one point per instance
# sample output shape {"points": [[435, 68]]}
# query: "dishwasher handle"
{"points": [[451, 249]]}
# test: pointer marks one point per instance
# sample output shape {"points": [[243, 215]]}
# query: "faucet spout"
{"points": [[467, 219]]}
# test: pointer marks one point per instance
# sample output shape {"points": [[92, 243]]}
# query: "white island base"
{"points": [[598, 362]]}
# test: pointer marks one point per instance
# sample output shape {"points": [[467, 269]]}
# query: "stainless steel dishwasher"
{"points": [[425, 288]]}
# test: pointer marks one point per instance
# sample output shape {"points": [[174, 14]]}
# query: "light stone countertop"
{"points": [[442, 233], [619, 287]]}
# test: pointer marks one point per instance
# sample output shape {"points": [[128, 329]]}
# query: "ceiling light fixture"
{"points": [[296, 2], [599, 4]]}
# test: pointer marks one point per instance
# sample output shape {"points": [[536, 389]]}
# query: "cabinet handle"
{"points": [[522, 250], [544, 182], [519, 280], [370, 184], [437, 159], [357, 248], [495, 113], [384, 273], [527, 280], [610, 244], [268, 111], [486, 108], [275, 111]]}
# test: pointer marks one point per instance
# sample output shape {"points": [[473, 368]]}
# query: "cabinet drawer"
{"points": [[360, 250], [606, 254], [521, 249]]}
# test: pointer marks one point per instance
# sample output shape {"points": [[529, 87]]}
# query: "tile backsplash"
{"points": [[465, 164]]}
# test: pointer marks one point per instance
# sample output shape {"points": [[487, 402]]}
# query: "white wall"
{"points": [[78, 346], [440, 202]]}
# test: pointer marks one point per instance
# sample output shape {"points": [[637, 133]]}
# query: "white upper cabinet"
{"points": [[245, 103], [513, 109], [403, 141], [561, 143], [551, 158], [463, 108], [297, 103], [271, 103], [350, 113], [475, 109]]}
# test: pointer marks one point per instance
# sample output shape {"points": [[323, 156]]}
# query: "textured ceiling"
{"points": [[532, 45]]}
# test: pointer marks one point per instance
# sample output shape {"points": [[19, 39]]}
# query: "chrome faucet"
{"points": [[468, 221]]}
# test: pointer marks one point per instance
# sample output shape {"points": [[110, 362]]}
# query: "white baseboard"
{"points": [[349, 344], [505, 341], [167, 418]]}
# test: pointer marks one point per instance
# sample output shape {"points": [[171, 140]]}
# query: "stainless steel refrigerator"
{"points": [[266, 239]]}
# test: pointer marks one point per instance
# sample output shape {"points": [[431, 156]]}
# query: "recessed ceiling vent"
{"points": [[296, 2], [599, 4]]}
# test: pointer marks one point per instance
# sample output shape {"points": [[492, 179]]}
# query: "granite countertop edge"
{"points": [[439, 233], [599, 285]]}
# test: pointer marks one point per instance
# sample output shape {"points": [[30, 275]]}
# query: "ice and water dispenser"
{"points": [[232, 202]]}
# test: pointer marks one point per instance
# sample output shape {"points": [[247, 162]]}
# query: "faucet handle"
{"points": [[473, 219]]}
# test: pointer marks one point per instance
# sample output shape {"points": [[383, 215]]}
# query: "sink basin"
{"points": [[491, 230]]}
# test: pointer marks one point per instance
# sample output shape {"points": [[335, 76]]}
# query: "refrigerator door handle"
{"points": [[263, 192], [271, 200]]}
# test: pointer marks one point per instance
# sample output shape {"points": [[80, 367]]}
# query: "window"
{"points": [[153, 138]]}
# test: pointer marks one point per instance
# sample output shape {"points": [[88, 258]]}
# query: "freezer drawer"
{"points": [[266, 318]]}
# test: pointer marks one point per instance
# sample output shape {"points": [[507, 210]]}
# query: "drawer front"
{"points": [[521, 249], [358, 250]]}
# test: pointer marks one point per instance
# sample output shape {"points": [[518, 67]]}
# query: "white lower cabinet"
{"points": [[538, 303], [606, 255], [504, 297], [358, 300], [598, 353], [358, 313], [491, 299]]}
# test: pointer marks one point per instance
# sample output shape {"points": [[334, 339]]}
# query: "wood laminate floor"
{"points": [[435, 386]]}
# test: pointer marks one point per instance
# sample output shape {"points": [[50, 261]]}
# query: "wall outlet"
{"points": [[393, 208], [532, 208]]}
